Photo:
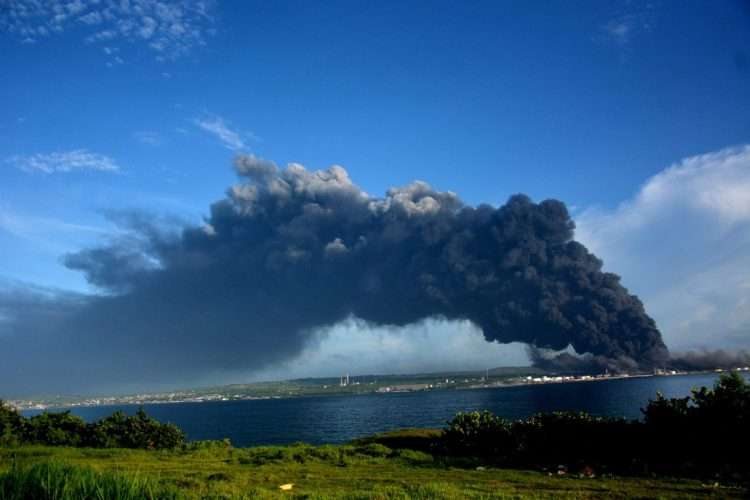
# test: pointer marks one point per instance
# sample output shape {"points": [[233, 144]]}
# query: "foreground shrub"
{"points": [[412, 439], [374, 450], [11, 423], [480, 434], [706, 431], [706, 434], [139, 431], [576, 439], [64, 429], [55, 429]]}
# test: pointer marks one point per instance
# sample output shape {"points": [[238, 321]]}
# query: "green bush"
{"points": [[481, 434], [326, 453], [64, 429], [11, 424], [139, 431], [705, 434], [55, 429], [424, 440], [374, 450], [415, 457]]}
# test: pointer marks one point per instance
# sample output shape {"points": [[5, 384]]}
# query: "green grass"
{"points": [[366, 469], [58, 481], [413, 439]]}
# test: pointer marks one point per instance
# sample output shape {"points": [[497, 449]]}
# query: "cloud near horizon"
{"points": [[682, 244], [360, 348]]}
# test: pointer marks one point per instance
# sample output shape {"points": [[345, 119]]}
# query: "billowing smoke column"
{"points": [[312, 248], [290, 250]]}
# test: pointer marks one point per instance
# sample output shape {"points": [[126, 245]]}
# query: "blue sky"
{"points": [[142, 105]]}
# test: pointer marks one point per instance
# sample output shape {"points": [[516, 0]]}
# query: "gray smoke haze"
{"points": [[709, 360], [289, 251], [586, 363], [704, 359]]}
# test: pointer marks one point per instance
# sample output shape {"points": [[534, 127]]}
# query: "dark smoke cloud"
{"points": [[586, 363], [566, 362], [709, 360], [291, 250]]}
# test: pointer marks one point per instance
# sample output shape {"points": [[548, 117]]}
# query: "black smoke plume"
{"points": [[586, 363], [291, 250], [709, 360]]}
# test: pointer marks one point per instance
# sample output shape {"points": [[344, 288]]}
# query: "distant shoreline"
{"points": [[580, 380], [438, 383]]}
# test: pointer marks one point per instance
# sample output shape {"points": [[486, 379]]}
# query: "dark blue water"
{"points": [[336, 419]]}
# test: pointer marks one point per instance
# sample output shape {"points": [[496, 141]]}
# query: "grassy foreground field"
{"points": [[367, 469]]}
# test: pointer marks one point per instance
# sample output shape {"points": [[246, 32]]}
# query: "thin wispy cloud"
{"points": [[619, 31], [24, 224], [147, 137], [48, 234], [64, 161], [627, 24], [169, 29], [216, 126]]}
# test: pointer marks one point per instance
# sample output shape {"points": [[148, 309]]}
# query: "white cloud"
{"points": [[356, 347], [66, 161], [53, 235], [231, 139], [147, 137], [619, 31], [169, 28], [23, 225], [683, 244], [92, 18], [628, 22]]}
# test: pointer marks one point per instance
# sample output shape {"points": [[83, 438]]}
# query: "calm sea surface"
{"points": [[336, 419]]}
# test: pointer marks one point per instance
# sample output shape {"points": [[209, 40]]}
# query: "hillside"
{"points": [[366, 471]]}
